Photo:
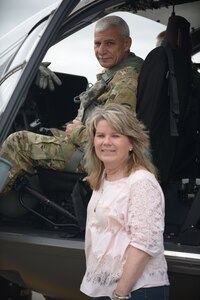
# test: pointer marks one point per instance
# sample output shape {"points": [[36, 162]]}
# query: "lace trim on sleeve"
{"points": [[146, 217]]}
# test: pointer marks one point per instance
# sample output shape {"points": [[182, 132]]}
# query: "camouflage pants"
{"points": [[27, 150]]}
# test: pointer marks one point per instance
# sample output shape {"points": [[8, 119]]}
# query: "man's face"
{"points": [[110, 47]]}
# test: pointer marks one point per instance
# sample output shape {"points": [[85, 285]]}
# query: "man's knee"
{"points": [[13, 141]]}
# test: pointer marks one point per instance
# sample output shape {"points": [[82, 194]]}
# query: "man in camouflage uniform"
{"points": [[117, 83]]}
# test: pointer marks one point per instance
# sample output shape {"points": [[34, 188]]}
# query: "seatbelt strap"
{"points": [[74, 161], [78, 154], [107, 78], [173, 93]]}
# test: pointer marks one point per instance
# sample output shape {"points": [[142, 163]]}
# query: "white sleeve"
{"points": [[146, 216]]}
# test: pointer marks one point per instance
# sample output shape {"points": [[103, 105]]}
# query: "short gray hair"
{"points": [[110, 22]]}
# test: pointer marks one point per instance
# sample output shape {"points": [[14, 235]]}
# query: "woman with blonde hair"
{"points": [[125, 217]]}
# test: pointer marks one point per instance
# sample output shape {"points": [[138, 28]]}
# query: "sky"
{"points": [[75, 55]]}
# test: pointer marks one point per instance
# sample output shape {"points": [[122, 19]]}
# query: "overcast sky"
{"points": [[75, 55]]}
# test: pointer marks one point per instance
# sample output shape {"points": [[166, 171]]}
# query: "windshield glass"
{"points": [[13, 12], [16, 20]]}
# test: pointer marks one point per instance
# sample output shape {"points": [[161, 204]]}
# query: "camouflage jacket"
{"points": [[116, 85]]}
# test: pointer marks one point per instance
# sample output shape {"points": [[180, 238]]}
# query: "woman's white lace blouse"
{"points": [[129, 211]]}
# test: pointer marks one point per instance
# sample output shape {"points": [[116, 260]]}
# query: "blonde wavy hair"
{"points": [[124, 121]]}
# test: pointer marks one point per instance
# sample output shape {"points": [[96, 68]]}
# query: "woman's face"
{"points": [[111, 147]]}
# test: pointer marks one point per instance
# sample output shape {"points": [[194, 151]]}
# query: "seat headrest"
{"points": [[178, 34]]}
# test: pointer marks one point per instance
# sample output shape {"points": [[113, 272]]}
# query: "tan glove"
{"points": [[46, 78]]}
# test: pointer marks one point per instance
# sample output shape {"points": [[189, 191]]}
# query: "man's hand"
{"points": [[75, 123], [46, 78]]}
